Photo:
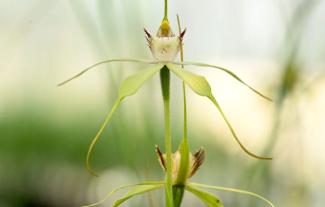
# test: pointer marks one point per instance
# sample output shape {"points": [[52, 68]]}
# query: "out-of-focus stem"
{"points": [[184, 90]]}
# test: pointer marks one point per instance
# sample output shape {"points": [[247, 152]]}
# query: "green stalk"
{"points": [[184, 90], [165, 86], [166, 10], [178, 192]]}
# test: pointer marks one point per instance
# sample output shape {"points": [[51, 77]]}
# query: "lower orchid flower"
{"points": [[183, 170]]}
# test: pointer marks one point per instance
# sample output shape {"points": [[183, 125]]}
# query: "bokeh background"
{"points": [[278, 46]]}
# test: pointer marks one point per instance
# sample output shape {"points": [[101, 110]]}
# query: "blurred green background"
{"points": [[277, 46]]}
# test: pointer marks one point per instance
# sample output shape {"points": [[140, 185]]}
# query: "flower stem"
{"points": [[166, 10], [165, 86]]}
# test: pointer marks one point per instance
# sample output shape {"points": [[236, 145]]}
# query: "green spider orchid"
{"points": [[164, 47], [180, 182], [181, 165]]}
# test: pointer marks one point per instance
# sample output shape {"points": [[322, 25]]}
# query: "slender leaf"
{"points": [[201, 86], [229, 72], [233, 190], [138, 190], [129, 87], [104, 62], [209, 199]]}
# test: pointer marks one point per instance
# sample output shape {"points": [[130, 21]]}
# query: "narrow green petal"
{"points": [[229, 72], [108, 195], [201, 86], [209, 199], [95, 139], [232, 190], [104, 62], [214, 101], [129, 87], [138, 190]]}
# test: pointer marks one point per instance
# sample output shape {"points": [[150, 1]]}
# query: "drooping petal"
{"points": [[129, 87], [201, 86], [229, 72]]}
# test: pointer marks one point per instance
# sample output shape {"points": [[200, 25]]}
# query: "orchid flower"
{"points": [[181, 165], [164, 47], [180, 183]]}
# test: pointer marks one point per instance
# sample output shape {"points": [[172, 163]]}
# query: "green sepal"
{"points": [[209, 199], [132, 84], [129, 87], [229, 72], [201, 86], [108, 195], [105, 62]]}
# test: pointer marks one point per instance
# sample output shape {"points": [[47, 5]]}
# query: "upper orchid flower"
{"points": [[165, 47]]}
